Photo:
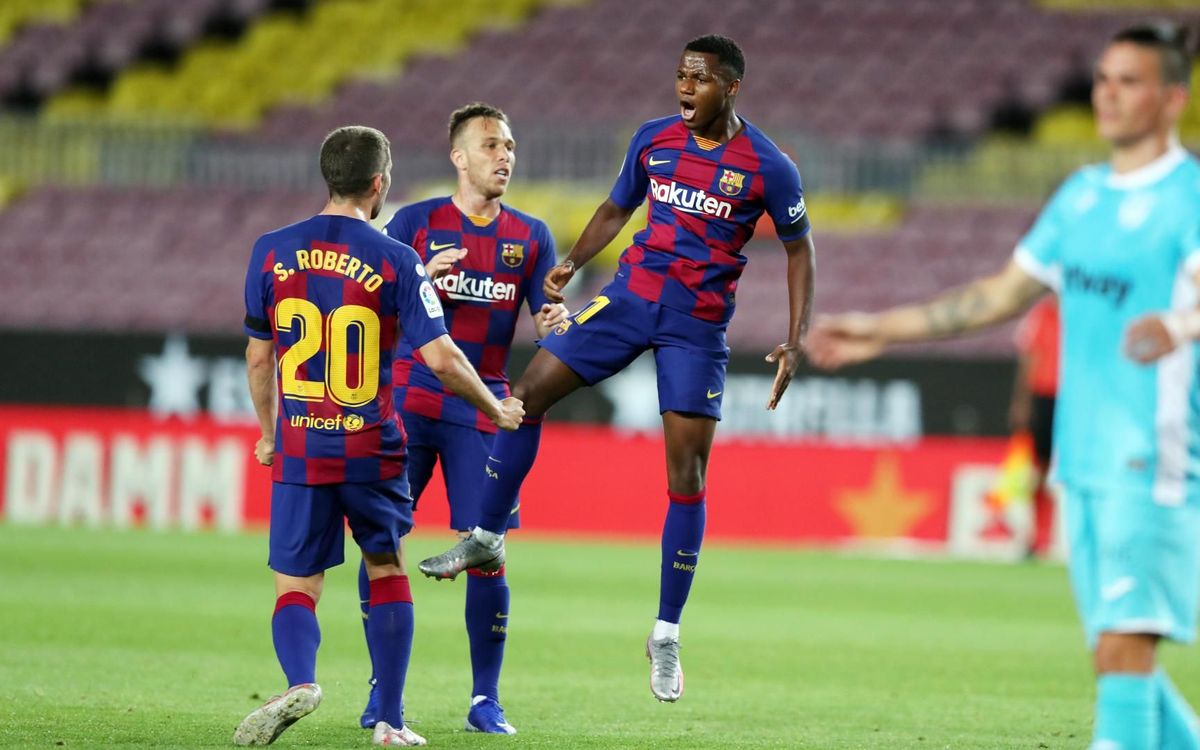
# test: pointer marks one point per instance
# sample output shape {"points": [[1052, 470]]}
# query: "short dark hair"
{"points": [[727, 51], [1171, 41], [351, 156], [461, 116]]}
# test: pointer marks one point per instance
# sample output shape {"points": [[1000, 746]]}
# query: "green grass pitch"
{"points": [[140, 640]]}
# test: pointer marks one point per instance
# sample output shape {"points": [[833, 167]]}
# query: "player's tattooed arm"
{"points": [[840, 340], [978, 304], [957, 310]]}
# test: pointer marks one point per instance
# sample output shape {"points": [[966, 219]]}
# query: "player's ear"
{"points": [[734, 86], [377, 183], [458, 158], [1177, 102]]}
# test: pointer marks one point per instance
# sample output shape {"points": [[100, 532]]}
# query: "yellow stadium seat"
{"points": [[1066, 126], [288, 58], [16, 13], [1091, 6]]}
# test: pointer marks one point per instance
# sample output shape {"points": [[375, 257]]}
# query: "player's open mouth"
{"points": [[502, 173], [687, 110]]}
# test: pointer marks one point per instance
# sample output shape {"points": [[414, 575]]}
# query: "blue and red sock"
{"points": [[297, 636], [510, 461], [389, 638], [487, 629], [682, 534]]}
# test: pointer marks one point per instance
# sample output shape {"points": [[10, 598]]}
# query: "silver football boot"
{"points": [[666, 673], [468, 553]]}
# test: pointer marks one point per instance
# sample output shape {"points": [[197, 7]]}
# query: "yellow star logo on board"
{"points": [[883, 509]]}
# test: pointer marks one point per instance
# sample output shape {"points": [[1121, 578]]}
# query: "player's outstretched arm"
{"points": [[839, 340], [801, 272], [601, 229], [260, 372], [453, 368]]}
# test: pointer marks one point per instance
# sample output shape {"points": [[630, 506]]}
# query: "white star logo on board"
{"points": [[175, 378]]}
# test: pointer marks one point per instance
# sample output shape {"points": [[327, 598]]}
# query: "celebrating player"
{"points": [[1120, 243], [709, 175], [329, 296], [487, 259]]}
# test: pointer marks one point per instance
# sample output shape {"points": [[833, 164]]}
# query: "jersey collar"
{"points": [[1151, 173]]}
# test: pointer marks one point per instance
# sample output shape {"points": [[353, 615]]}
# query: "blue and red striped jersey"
{"points": [[335, 294], [505, 264], [705, 198]]}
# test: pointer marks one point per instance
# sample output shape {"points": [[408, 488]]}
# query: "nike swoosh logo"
{"points": [[681, 553], [435, 247], [501, 616], [714, 395], [1118, 588], [654, 163]]}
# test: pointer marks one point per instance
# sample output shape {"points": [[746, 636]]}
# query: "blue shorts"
{"points": [[1134, 563], [608, 333], [463, 452], [308, 533]]}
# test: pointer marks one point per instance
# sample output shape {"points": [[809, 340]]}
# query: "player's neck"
{"points": [[349, 209], [1131, 156], [722, 129], [472, 203]]}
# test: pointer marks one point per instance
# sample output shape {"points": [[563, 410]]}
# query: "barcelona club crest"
{"points": [[732, 182], [512, 253]]}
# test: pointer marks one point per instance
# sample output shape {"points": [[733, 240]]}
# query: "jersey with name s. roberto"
{"points": [[335, 294], [1117, 247], [705, 198], [506, 261]]}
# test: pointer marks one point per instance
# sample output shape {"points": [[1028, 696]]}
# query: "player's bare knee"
{"points": [[1125, 653], [312, 586], [685, 477], [383, 564]]}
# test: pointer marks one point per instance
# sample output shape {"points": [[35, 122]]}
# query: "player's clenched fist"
{"points": [[264, 451], [511, 412]]}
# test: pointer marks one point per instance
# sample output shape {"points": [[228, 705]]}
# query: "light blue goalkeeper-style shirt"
{"points": [[1116, 247]]}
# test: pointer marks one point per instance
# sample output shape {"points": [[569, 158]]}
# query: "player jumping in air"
{"points": [[709, 175]]}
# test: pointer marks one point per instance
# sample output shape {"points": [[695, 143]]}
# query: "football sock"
{"points": [[489, 538], [1178, 726], [682, 533], [1127, 712], [364, 603], [664, 630], [389, 635], [487, 628], [512, 457], [296, 635]]}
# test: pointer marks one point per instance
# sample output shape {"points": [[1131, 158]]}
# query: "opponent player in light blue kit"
{"points": [[1120, 244]]}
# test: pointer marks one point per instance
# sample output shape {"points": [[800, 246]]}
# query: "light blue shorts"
{"points": [[1135, 564]]}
